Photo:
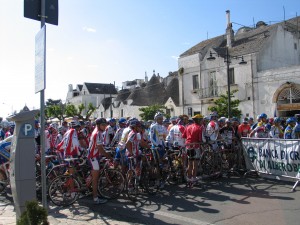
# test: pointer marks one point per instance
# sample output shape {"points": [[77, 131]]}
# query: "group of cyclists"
{"points": [[127, 136]]}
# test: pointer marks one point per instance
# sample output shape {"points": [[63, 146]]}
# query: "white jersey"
{"points": [[175, 135]]}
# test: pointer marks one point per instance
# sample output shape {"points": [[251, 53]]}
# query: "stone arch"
{"points": [[288, 85], [287, 99]]}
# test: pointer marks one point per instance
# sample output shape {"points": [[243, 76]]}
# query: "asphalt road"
{"points": [[225, 201]]}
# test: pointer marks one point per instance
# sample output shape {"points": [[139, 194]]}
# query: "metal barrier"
{"points": [[276, 158]]}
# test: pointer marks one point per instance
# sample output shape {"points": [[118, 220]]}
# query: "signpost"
{"points": [[45, 11]]}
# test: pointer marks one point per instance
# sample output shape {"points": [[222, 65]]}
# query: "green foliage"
{"points": [[148, 112], [221, 105], [33, 215]]}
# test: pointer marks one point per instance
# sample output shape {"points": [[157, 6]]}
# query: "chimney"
{"points": [[146, 77], [229, 31]]}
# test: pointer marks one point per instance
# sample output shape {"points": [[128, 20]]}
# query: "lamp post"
{"points": [[227, 59]]}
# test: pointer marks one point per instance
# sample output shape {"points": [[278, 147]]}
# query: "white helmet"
{"points": [[158, 114], [5, 124]]}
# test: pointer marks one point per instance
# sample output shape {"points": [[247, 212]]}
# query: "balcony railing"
{"points": [[213, 91]]}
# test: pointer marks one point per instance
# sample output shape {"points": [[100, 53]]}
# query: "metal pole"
{"points": [[228, 83], [110, 107], [42, 112]]}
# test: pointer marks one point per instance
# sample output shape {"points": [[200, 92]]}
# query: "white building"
{"points": [[269, 82], [93, 93]]}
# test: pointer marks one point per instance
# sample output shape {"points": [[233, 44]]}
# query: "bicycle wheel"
{"points": [[111, 183], [3, 181], [150, 179], [131, 185], [64, 190], [211, 164]]}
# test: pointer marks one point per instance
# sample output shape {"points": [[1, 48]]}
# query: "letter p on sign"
{"points": [[27, 129]]}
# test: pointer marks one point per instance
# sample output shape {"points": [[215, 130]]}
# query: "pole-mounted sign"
{"points": [[32, 10]]}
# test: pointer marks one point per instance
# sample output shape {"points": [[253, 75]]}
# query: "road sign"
{"points": [[32, 10], [40, 60]]}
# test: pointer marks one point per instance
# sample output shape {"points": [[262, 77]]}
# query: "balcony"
{"points": [[213, 91]]}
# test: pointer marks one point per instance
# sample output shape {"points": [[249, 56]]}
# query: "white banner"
{"points": [[278, 157]]}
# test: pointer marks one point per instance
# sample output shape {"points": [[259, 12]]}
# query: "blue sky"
{"points": [[106, 41]]}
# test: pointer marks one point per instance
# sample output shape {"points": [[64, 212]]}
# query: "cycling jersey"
{"points": [[194, 133], [135, 138], [244, 129], [122, 143], [96, 139], [227, 133], [158, 133], [175, 135], [117, 137], [70, 144], [261, 131], [276, 132], [108, 134], [288, 132], [212, 130], [296, 131]]}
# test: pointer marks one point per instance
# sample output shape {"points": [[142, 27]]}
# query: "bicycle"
{"points": [[64, 190], [146, 177]]}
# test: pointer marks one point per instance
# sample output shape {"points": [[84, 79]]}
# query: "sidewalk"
{"points": [[75, 215]]}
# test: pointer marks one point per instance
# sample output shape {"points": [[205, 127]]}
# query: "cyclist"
{"points": [[221, 122], [212, 129], [296, 129], [175, 135], [173, 122], [244, 128], [110, 131], [276, 130], [261, 130], [194, 134], [227, 133], [121, 147], [291, 122], [70, 145], [95, 150], [117, 137], [158, 134]]}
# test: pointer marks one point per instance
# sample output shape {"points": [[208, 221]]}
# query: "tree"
{"points": [[148, 112], [221, 105], [54, 109]]}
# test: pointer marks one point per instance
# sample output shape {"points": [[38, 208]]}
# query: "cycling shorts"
{"points": [[120, 156], [193, 153]]}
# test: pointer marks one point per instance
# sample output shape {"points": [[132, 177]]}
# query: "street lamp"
{"points": [[227, 58]]}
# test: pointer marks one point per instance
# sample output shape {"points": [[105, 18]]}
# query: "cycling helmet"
{"points": [[291, 120], [101, 121], [227, 121], [271, 120], [197, 116], [5, 124], [74, 123], [173, 118], [122, 120], [235, 119], [112, 120], [263, 115], [158, 115], [213, 114], [277, 120], [135, 123], [221, 120], [166, 121]]}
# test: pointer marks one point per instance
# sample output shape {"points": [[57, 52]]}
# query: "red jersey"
{"points": [[193, 134]]}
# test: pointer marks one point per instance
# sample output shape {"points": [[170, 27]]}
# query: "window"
{"points": [[195, 82], [231, 76], [213, 90]]}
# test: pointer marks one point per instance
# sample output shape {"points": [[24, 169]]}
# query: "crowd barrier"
{"points": [[279, 158]]}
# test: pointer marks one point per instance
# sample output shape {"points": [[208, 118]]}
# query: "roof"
{"points": [[172, 91], [106, 102], [98, 88], [244, 43]]}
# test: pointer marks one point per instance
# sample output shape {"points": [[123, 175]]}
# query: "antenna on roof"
{"points": [[207, 35], [254, 23], [283, 13]]}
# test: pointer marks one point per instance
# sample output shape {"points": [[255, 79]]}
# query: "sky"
{"points": [[107, 41]]}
